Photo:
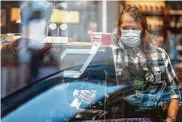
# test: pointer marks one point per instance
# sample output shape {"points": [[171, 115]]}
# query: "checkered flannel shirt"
{"points": [[159, 72]]}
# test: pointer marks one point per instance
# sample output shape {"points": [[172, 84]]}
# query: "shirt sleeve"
{"points": [[172, 80]]}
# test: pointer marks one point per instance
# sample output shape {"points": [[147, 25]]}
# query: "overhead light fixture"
{"points": [[52, 26], [63, 26]]}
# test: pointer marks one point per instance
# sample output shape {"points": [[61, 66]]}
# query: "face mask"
{"points": [[37, 33], [130, 38]]}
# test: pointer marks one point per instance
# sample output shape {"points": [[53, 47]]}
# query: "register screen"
{"points": [[74, 60]]}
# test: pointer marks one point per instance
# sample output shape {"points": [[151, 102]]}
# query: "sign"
{"points": [[101, 38]]}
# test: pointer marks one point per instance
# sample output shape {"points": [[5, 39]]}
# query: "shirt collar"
{"points": [[130, 51]]}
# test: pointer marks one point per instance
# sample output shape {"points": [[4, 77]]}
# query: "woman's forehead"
{"points": [[127, 20]]}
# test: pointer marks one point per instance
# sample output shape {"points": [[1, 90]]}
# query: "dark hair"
{"points": [[34, 10], [138, 17]]}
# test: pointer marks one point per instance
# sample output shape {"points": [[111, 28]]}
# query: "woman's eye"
{"points": [[125, 28], [135, 29], [129, 28]]}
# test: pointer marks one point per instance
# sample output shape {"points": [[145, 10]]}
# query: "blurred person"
{"points": [[147, 68], [24, 56], [35, 59], [35, 29], [35, 17]]}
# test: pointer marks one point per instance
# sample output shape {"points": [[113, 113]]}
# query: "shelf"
{"points": [[175, 12], [171, 12], [175, 29], [153, 13]]}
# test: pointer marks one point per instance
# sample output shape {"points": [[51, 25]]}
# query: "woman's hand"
{"points": [[85, 96]]}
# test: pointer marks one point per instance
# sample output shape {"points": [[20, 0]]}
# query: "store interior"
{"points": [[73, 21]]}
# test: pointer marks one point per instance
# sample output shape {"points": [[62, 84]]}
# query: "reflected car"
{"points": [[51, 98]]}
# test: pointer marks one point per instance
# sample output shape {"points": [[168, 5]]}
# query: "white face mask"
{"points": [[130, 38], [37, 32]]}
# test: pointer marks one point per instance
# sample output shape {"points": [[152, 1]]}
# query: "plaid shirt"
{"points": [[154, 67]]}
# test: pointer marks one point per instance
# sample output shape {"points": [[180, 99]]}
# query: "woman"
{"points": [[145, 67]]}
